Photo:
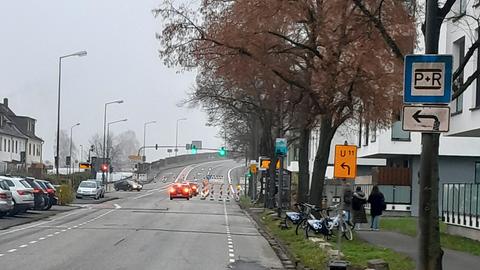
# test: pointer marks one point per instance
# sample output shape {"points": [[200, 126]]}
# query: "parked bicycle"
{"points": [[327, 225]]}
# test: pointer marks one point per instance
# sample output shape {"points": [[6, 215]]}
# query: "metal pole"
{"points": [[144, 136], [81, 152], [70, 165], [104, 131], [280, 187], [430, 253], [57, 158], [176, 138]]}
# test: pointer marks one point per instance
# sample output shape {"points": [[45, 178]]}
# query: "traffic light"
{"points": [[222, 151], [104, 167], [249, 174], [193, 149]]}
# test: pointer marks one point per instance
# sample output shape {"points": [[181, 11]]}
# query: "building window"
{"points": [[462, 6], [5, 145], [477, 172], [8, 146], [373, 135], [459, 56], [30, 149], [16, 147], [477, 92]]}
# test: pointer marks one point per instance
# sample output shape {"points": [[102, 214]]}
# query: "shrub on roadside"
{"points": [[65, 194]]}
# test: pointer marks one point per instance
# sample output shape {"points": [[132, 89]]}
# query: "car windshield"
{"points": [[88, 185]]}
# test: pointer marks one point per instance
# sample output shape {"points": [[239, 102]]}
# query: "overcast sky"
{"points": [[122, 63]]}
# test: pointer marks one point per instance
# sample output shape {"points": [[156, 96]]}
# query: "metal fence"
{"points": [[393, 194], [460, 204]]}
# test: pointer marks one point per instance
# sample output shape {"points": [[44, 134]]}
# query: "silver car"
{"points": [[102, 187], [6, 202], [88, 189], [22, 194]]}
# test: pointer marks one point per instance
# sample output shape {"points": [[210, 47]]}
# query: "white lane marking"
{"points": [[64, 230], [50, 235], [41, 238], [117, 206], [23, 246], [1, 254], [69, 228], [12, 250], [42, 223], [231, 255], [230, 250], [56, 232], [32, 242], [232, 260]]}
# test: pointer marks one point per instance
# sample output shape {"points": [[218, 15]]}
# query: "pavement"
{"points": [[31, 216], [409, 245], [145, 230]]}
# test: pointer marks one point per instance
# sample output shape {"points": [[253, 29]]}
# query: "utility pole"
{"points": [[430, 252]]}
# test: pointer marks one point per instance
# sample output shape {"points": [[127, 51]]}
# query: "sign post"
{"points": [[280, 150]]}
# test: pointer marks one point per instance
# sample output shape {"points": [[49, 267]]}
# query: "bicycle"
{"points": [[326, 225]]}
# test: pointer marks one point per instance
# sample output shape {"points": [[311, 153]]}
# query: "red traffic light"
{"points": [[104, 167]]}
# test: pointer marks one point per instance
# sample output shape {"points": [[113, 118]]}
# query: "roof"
{"points": [[14, 129], [10, 129]]}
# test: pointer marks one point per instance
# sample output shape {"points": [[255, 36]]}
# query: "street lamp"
{"points": [[176, 135], [108, 135], [144, 134], [71, 140], [81, 152], [104, 130], [80, 53]]}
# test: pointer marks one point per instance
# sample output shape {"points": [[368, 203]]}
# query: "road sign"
{"points": [[265, 163], [83, 165], [253, 168], [134, 157], [428, 79], [281, 146], [198, 144], [426, 118], [345, 161]]}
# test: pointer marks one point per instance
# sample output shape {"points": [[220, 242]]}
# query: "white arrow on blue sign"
{"points": [[428, 79]]}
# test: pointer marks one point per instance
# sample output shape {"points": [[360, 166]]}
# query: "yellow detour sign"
{"points": [[345, 161], [84, 165], [134, 157], [265, 164], [253, 168]]}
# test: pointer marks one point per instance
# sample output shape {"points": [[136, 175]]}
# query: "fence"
{"points": [[460, 204]]}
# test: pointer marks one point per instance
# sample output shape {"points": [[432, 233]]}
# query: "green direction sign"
{"points": [[281, 146]]}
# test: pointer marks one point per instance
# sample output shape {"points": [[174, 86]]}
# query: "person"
{"points": [[358, 207], [347, 203], [377, 205]]}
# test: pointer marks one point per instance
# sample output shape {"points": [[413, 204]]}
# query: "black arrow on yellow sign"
{"points": [[345, 166]]}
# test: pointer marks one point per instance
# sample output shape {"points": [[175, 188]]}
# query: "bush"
{"points": [[65, 194]]}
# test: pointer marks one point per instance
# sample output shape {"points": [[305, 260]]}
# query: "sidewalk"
{"points": [[408, 245], [31, 216]]}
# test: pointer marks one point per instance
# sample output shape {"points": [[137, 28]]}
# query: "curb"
{"points": [[286, 257]]}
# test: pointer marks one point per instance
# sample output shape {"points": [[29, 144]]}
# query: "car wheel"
{"points": [[130, 188], [2, 214], [47, 205], [188, 198], [171, 198], [116, 189]]}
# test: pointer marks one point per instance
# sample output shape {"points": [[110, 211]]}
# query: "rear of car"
{"points": [[102, 188], [22, 194], [194, 188], [51, 191], [6, 202], [180, 191], [40, 197], [88, 189]]}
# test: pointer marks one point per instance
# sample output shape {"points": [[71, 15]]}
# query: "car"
{"points": [[194, 188], [102, 187], [127, 184], [6, 202], [22, 194], [40, 196], [51, 192], [88, 188], [180, 190]]}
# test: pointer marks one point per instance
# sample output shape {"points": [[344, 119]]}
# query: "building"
{"points": [[19, 146]]}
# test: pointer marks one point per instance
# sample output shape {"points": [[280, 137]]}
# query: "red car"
{"points": [[180, 191], [194, 188]]}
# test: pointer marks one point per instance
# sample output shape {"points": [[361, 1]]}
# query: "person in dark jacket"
{"points": [[377, 205], [358, 207]]}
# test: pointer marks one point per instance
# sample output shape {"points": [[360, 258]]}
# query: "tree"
{"points": [[125, 144], [316, 53], [64, 149]]}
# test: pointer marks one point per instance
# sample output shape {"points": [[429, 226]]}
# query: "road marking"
{"points": [[232, 260], [50, 235], [32, 242], [1, 254], [41, 238], [117, 206], [231, 255], [56, 232], [12, 250], [64, 230], [23, 246]]}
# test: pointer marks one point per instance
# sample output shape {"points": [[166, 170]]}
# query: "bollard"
{"points": [[338, 265]]}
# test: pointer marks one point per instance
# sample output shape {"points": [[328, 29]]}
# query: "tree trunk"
{"points": [[321, 160], [303, 166]]}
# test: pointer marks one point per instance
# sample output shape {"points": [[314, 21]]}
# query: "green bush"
{"points": [[65, 194]]}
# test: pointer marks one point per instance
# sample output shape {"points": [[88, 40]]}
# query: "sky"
{"points": [[122, 63]]}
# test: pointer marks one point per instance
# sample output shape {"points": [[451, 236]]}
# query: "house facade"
{"points": [[19, 145]]}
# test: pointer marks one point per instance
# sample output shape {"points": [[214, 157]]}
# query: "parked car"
{"points": [[22, 194], [127, 184], [194, 188], [6, 202], [88, 188], [51, 192], [179, 190], [40, 195], [102, 187]]}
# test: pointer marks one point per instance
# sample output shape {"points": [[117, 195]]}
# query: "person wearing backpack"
{"points": [[377, 205], [358, 207]]}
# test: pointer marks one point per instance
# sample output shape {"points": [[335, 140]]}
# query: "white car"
{"points": [[89, 189], [6, 202], [22, 194]]}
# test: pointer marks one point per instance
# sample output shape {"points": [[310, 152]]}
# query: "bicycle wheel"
{"points": [[288, 223], [347, 231], [307, 229], [301, 225]]}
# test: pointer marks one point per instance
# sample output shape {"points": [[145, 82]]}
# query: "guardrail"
{"points": [[460, 204]]}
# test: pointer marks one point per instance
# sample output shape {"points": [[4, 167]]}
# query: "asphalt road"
{"points": [[145, 230]]}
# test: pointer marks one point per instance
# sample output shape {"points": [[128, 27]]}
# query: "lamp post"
{"points": [[81, 152], [80, 53], [144, 136], [176, 135], [108, 135], [71, 142], [104, 131]]}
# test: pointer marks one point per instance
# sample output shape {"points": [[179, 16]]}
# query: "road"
{"points": [[144, 230]]}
